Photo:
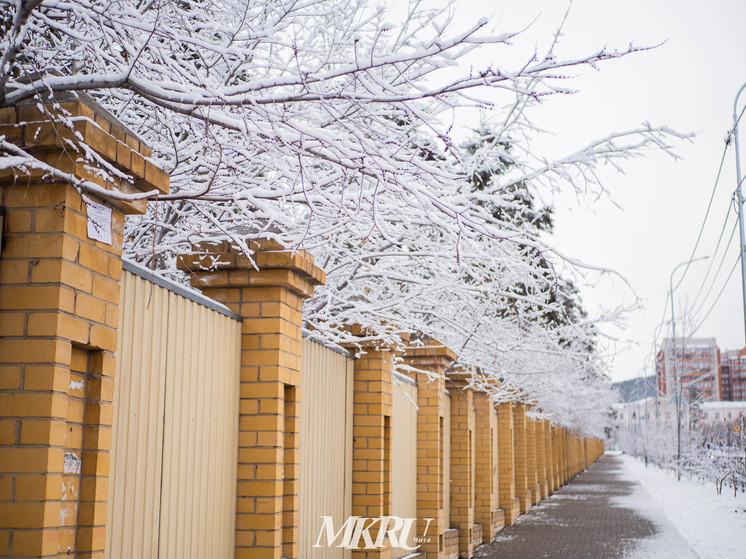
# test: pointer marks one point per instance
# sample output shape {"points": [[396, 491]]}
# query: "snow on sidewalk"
{"points": [[714, 525]]}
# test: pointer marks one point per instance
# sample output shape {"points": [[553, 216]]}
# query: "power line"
{"points": [[712, 196], [714, 278], [722, 261], [657, 331], [707, 213], [722, 289], [714, 253]]}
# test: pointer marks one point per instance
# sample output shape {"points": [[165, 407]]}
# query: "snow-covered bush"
{"points": [[705, 455]]}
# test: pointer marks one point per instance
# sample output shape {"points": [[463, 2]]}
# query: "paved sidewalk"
{"points": [[601, 514]]}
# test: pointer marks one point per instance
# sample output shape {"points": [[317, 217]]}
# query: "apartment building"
{"points": [[733, 375], [697, 367]]}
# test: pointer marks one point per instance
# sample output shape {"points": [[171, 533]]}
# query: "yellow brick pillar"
{"points": [[565, 456], [371, 432], [561, 458], [59, 312], [434, 359], [574, 466], [532, 468], [588, 451], [548, 450], [509, 503], [520, 442], [484, 465], [462, 461], [270, 300], [576, 451], [576, 454], [573, 455], [541, 459], [557, 457], [583, 453]]}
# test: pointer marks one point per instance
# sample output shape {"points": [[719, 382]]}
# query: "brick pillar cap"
{"points": [[31, 129], [426, 347], [460, 376], [358, 331], [220, 264]]}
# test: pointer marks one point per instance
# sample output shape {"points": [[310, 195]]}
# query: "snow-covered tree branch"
{"points": [[329, 125]]}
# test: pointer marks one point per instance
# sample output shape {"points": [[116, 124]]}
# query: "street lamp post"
{"points": [[739, 200], [676, 380]]}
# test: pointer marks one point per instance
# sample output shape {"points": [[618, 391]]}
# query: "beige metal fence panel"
{"points": [[473, 444], [137, 438], [173, 477], [493, 428], [325, 446], [404, 456], [447, 461], [200, 433]]}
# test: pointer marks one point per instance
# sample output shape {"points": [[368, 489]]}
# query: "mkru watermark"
{"points": [[357, 528]]}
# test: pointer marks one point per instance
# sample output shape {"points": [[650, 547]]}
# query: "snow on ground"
{"points": [[666, 542], [713, 525]]}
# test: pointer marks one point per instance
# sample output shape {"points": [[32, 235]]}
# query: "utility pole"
{"points": [[739, 200], [676, 383], [676, 379]]}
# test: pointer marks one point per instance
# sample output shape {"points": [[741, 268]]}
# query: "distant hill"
{"points": [[636, 388]]}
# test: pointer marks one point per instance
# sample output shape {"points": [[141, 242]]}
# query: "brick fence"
{"points": [[59, 313]]}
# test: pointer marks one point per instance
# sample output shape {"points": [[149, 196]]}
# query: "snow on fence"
{"points": [[175, 432], [325, 445]]}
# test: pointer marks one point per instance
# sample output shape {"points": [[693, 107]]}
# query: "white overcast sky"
{"points": [[688, 83]]}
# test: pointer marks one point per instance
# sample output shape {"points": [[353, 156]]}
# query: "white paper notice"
{"points": [[99, 222]]}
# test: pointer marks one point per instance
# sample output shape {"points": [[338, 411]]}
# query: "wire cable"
{"points": [[714, 254], [722, 289], [657, 332], [707, 212]]}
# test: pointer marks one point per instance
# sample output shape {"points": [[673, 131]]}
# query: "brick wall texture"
{"points": [[59, 312]]}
